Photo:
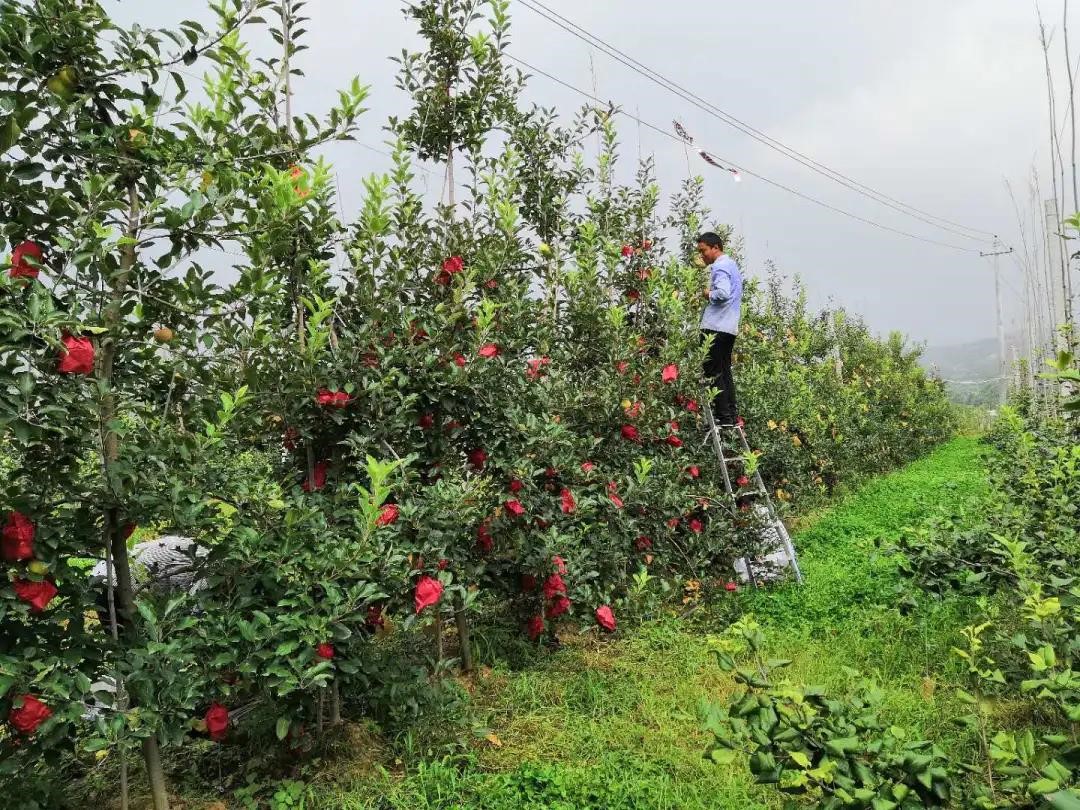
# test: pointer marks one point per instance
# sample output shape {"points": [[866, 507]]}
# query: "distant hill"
{"points": [[964, 364], [977, 360]]}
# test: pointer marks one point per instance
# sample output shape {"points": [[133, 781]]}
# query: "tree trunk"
{"points": [[121, 692], [320, 705], [1056, 162], [110, 441], [124, 796], [438, 637], [286, 65], [309, 455], [335, 703], [152, 757], [450, 195], [463, 633], [1072, 153], [114, 534]]}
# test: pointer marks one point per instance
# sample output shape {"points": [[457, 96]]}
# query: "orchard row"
{"points": [[488, 414]]}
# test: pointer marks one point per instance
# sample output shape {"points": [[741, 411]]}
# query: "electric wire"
{"points": [[741, 169], [591, 39]]}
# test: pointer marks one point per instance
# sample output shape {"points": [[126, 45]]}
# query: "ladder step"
{"points": [[780, 551]]}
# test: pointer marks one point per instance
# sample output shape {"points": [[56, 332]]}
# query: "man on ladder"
{"points": [[721, 321]]}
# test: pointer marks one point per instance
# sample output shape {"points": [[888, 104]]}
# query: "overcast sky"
{"points": [[933, 103]]}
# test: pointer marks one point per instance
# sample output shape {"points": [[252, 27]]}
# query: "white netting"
{"points": [[164, 563]]}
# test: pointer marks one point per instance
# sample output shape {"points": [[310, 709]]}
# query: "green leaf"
{"points": [[1055, 770], [1025, 747], [724, 660], [1065, 800], [27, 171], [9, 133], [723, 756], [842, 746], [282, 727], [147, 613], [1041, 787], [286, 648], [763, 766], [800, 759]]}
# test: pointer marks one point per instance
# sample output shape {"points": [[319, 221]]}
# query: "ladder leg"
{"points": [[789, 549], [750, 572], [718, 448], [774, 522], [774, 519]]}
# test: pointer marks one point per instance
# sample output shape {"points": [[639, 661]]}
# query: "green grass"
{"points": [[614, 724]]}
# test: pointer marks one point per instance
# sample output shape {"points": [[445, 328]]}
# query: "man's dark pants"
{"points": [[718, 371]]}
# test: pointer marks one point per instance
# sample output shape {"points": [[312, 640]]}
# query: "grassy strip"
{"points": [[614, 724]]}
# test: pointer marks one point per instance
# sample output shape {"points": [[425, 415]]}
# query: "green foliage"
{"points": [[1015, 560], [825, 427], [287, 795], [360, 407], [459, 85], [1035, 478], [1065, 371], [837, 751], [845, 554], [611, 720]]}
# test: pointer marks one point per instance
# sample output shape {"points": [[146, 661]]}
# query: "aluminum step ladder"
{"points": [[778, 552]]}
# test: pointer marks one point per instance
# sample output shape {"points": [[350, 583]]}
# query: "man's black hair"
{"points": [[712, 239]]}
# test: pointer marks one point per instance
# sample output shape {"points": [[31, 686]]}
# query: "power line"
{"points": [[591, 39], [716, 112], [377, 150], [742, 169]]}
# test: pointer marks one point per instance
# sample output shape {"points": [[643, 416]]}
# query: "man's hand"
{"points": [[707, 294]]}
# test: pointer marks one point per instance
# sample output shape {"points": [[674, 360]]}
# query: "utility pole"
{"points": [[1003, 362]]}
